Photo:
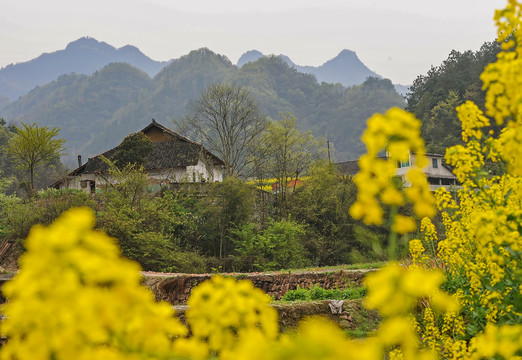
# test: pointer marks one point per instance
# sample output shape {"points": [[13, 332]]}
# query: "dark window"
{"points": [[448, 182], [435, 162], [433, 181]]}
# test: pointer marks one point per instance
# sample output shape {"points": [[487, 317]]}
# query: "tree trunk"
{"points": [[31, 189]]}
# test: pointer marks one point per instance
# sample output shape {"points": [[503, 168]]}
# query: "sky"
{"points": [[398, 39]]}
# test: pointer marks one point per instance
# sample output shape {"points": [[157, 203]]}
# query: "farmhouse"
{"points": [[173, 159], [437, 172]]}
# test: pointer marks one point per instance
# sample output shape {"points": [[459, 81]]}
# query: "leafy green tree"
{"points": [[33, 145], [143, 222], [227, 205], [134, 149], [282, 241], [278, 246], [443, 126], [452, 83], [17, 217], [129, 181], [7, 169], [228, 121], [285, 154], [321, 204]]}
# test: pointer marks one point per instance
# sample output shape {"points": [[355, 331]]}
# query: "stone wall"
{"points": [[176, 289], [289, 314]]}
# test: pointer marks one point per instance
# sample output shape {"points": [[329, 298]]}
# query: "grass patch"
{"points": [[318, 293], [333, 268], [365, 324]]}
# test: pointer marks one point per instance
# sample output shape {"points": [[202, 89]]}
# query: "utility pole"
{"points": [[328, 145]]}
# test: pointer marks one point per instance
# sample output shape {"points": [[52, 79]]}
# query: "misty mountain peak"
{"points": [[287, 60], [347, 53], [345, 57], [88, 42], [345, 68], [129, 48], [249, 56]]}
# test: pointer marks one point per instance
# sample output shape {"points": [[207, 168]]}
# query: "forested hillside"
{"points": [[95, 112], [165, 98], [434, 96], [80, 104]]}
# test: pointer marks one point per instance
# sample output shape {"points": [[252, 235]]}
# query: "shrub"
{"points": [[19, 216], [296, 295], [318, 293], [276, 247]]}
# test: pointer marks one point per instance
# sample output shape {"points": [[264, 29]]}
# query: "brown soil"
{"points": [[9, 253]]}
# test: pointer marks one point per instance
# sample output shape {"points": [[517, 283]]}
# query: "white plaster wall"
{"points": [[429, 170], [193, 173], [76, 183], [440, 171], [218, 173], [202, 171], [168, 176], [189, 174], [70, 183]]}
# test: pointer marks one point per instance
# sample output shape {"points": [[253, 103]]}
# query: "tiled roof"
{"points": [[178, 152], [348, 167]]}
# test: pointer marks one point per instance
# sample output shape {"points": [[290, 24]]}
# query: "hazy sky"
{"points": [[398, 39]]}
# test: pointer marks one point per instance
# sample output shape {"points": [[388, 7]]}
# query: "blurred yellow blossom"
{"points": [[222, 307], [397, 134], [75, 297]]}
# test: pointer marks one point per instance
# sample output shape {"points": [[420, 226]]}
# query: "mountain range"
{"points": [[83, 56], [87, 55], [96, 107]]}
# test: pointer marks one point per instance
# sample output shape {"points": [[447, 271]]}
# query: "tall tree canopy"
{"points": [[446, 86], [33, 145], [134, 150], [285, 152]]}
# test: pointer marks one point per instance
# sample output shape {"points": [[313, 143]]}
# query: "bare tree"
{"points": [[227, 121]]}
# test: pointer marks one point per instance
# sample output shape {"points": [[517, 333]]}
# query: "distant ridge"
{"points": [[249, 56], [88, 55], [83, 56], [346, 68]]}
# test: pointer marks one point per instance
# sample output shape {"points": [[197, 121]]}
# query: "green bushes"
{"points": [[276, 247], [209, 226], [18, 216], [201, 227], [145, 223], [318, 293]]}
